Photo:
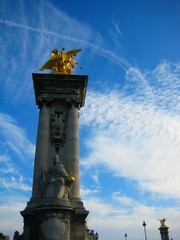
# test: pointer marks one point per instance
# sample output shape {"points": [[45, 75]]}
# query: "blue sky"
{"points": [[129, 127]]}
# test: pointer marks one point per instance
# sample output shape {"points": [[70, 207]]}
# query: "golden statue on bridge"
{"points": [[61, 62], [163, 222]]}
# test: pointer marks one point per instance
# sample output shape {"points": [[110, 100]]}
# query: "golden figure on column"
{"points": [[163, 222], [61, 62]]}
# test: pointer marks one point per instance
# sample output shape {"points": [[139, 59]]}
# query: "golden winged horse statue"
{"points": [[61, 62]]}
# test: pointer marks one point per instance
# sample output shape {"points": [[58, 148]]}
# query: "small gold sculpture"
{"points": [[162, 221], [61, 62], [71, 178]]}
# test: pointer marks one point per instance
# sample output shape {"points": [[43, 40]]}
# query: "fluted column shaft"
{"points": [[73, 149], [41, 155]]}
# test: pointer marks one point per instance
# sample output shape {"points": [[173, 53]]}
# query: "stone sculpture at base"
{"points": [[55, 181]]}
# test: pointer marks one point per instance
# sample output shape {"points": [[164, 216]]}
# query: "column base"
{"points": [[54, 219]]}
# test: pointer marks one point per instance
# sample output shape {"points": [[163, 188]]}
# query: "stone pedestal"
{"points": [[164, 232], [55, 210]]}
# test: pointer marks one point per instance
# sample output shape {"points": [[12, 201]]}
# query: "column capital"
{"points": [[73, 102], [42, 100], [59, 87]]}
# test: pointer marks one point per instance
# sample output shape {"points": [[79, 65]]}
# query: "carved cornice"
{"points": [[58, 90], [60, 87]]}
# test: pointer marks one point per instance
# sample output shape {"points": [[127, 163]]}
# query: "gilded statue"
{"points": [[163, 221], [61, 62]]}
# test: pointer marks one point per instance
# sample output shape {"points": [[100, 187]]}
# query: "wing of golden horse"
{"points": [[72, 53], [49, 64]]}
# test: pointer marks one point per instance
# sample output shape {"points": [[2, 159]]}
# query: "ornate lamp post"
{"points": [[144, 225], [125, 236]]}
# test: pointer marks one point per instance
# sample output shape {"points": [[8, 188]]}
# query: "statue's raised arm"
{"points": [[61, 62]]}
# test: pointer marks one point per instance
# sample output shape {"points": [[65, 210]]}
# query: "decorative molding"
{"points": [[58, 124], [58, 90], [73, 102], [44, 101], [53, 226]]}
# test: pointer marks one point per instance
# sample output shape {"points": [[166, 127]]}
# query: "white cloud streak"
{"points": [[117, 28], [116, 34], [15, 137], [123, 63], [137, 136], [6, 165], [15, 183]]}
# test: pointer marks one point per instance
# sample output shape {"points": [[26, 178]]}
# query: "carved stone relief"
{"points": [[53, 226], [58, 123]]}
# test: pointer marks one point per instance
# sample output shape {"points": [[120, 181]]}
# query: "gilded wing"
{"points": [[61, 62], [72, 53], [49, 64]]}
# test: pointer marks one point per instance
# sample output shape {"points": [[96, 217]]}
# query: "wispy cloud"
{"points": [[87, 192], [123, 63], [117, 28], [34, 36], [10, 215], [15, 137], [6, 164], [137, 135], [116, 34], [123, 213], [95, 176], [15, 183]]}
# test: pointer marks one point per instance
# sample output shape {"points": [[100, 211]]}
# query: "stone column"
{"points": [[42, 148], [73, 147], [164, 230], [51, 216], [164, 233]]}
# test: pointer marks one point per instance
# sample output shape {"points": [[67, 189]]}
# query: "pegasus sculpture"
{"points": [[61, 62]]}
